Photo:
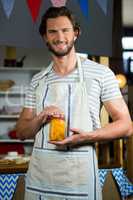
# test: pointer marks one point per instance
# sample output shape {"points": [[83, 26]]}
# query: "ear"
{"points": [[75, 37], [45, 38], [77, 33]]}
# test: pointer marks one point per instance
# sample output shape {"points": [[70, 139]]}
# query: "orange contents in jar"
{"points": [[57, 129]]}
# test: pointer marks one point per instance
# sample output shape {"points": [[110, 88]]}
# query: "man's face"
{"points": [[60, 36]]}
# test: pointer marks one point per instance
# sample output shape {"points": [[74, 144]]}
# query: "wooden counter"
{"points": [[13, 168]]}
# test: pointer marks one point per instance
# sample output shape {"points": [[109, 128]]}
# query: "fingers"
{"points": [[50, 112], [76, 138], [53, 111], [71, 140], [66, 141], [75, 130], [58, 143]]}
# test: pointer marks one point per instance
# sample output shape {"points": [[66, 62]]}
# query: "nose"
{"points": [[60, 35]]}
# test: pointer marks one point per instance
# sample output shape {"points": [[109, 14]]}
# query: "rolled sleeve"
{"points": [[110, 87]]}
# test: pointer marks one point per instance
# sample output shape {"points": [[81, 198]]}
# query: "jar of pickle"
{"points": [[57, 129]]}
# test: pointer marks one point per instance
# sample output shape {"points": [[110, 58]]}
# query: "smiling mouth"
{"points": [[59, 42], [60, 45]]}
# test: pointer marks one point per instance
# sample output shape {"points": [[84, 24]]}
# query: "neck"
{"points": [[65, 64]]}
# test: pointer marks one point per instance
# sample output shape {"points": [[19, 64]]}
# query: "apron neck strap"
{"points": [[48, 69], [81, 78], [80, 70]]}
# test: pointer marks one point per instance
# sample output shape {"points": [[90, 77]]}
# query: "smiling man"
{"points": [[71, 88], [60, 38]]}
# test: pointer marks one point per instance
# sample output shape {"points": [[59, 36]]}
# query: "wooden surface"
{"points": [[130, 158], [20, 189], [13, 168]]}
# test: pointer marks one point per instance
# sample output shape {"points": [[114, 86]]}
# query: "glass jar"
{"points": [[57, 129]]}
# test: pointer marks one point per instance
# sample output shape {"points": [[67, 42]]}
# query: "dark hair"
{"points": [[54, 12]]}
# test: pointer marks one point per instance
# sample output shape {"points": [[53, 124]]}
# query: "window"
{"points": [[127, 45]]}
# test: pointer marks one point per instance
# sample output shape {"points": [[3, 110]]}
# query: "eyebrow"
{"points": [[52, 30], [55, 30]]}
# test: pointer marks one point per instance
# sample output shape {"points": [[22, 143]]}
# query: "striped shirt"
{"points": [[103, 87]]}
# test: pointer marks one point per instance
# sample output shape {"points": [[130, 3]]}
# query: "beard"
{"points": [[63, 52]]}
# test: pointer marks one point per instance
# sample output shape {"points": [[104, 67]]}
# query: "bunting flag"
{"points": [[103, 5], [34, 7], [58, 3], [8, 6], [84, 5]]}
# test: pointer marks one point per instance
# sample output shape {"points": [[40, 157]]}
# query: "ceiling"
{"points": [[127, 13]]}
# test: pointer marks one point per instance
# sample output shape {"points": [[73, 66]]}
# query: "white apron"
{"points": [[70, 173]]}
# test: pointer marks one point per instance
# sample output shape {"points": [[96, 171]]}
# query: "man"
{"points": [[72, 88]]}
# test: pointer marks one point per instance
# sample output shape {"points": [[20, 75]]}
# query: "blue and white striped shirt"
{"points": [[104, 86]]}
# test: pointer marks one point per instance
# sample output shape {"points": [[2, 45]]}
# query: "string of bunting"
{"points": [[34, 6], [8, 6], [103, 4], [58, 3], [84, 6]]}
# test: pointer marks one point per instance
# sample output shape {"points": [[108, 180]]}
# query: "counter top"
{"points": [[13, 168]]}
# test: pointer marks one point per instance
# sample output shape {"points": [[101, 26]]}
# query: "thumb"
{"points": [[75, 130]]}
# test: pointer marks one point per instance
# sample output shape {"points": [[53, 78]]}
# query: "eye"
{"points": [[66, 30], [52, 31]]}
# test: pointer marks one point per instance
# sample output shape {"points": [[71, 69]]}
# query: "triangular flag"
{"points": [[34, 7], [8, 6], [58, 3], [102, 176], [84, 5], [103, 5]]}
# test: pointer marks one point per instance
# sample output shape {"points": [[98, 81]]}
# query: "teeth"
{"points": [[61, 45]]}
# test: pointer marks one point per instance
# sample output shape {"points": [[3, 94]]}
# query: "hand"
{"points": [[50, 112], [76, 138]]}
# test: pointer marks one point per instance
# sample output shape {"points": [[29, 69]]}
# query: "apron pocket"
{"points": [[60, 170]]}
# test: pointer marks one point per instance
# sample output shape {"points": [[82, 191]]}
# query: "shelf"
{"points": [[12, 93], [9, 116], [12, 100], [16, 141], [19, 69]]}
